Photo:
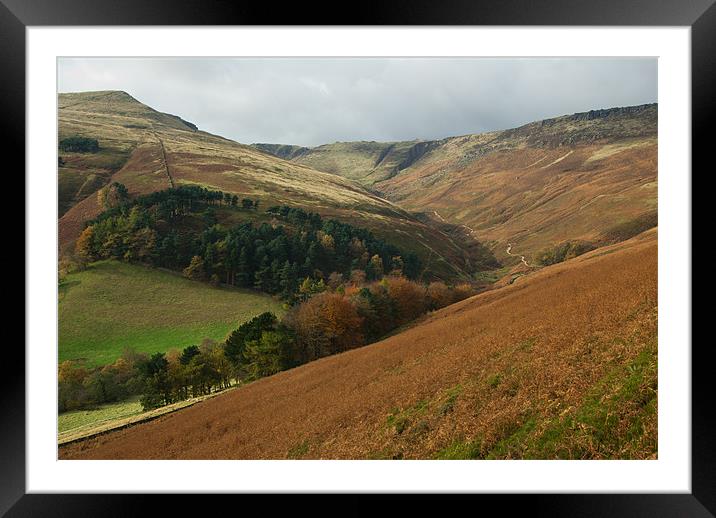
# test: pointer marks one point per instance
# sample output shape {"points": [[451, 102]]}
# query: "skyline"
{"points": [[314, 101]]}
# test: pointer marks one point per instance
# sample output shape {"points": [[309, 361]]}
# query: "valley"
{"points": [[571, 177], [483, 296]]}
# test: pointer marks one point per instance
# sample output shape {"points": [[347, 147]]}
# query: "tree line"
{"points": [[160, 379], [177, 228]]}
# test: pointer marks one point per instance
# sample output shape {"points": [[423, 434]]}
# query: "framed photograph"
{"points": [[416, 254]]}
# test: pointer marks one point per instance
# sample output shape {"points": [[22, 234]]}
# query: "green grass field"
{"points": [[113, 305], [79, 419]]}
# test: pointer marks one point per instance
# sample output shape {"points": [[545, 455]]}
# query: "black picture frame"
{"points": [[700, 15]]}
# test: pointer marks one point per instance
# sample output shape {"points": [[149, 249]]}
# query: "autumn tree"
{"points": [[438, 295], [358, 278], [84, 245], [71, 390], [462, 291], [396, 266], [195, 270], [141, 245], [408, 297], [221, 369], [310, 287], [325, 324]]}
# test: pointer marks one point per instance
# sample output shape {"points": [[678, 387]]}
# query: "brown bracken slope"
{"points": [[559, 364], [570, 177]]}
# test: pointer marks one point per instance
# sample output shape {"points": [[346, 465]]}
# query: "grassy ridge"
{"points": [[113, 305]]}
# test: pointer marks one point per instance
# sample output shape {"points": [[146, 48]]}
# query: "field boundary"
{"points": [[164, 160], [69, 437]]}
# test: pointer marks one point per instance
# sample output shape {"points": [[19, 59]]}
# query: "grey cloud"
{"points": [[311, 101]]}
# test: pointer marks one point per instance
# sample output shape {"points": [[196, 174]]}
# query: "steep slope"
{"points": [[163, 150], [560, 364], [571, 177]]}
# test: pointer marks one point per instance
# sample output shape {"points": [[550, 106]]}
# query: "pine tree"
{"points": [[243, 269], [262, 277], [287, 280], [275, 276]]}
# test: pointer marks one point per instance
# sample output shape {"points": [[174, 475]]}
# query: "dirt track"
{"points": [[522, 257], [545, 340]]}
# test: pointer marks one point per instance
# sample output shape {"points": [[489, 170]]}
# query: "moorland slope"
{"points": [[572, 177], [560, 364]]}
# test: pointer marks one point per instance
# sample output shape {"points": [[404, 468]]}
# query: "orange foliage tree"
{"points": [[408, 297], [326, 324], [438, 295]]}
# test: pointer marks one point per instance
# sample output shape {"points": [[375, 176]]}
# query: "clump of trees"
{"points": [[261, 347], [178, 375], [563, 251], [177, 229], [79, 145], [342, 316], [81, 387], [160, 379], [112, 195], [353, 314]]}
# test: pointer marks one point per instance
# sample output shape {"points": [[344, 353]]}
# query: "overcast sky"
{"points": [[311, 101]]}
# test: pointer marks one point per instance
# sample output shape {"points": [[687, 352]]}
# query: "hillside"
{"points": [[149, 151], [570, 177], [559, 364], [365, 162], [113, 305]]}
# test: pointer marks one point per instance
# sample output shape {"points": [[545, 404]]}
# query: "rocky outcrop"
{"points": [[585, 127]]}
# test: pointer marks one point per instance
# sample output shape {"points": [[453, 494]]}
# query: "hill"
{"points": [[149, 151], [570, 177], [113, 305], [560, 364]]}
